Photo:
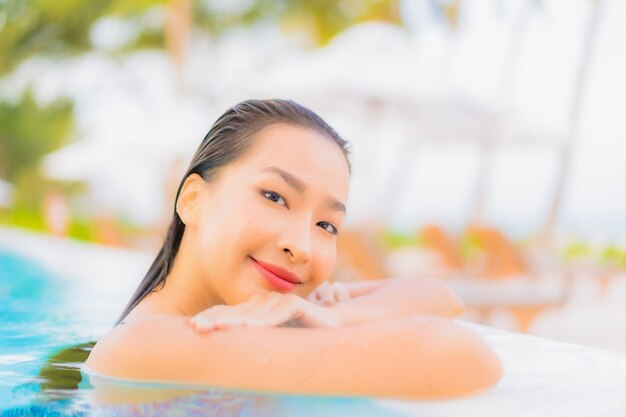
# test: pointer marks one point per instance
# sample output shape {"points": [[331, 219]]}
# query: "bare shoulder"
{"points": [[137, 348], [165, 347], [415, 357]]}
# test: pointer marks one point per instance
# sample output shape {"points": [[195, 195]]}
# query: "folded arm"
{"points": [[415, 357], [394, 298]]}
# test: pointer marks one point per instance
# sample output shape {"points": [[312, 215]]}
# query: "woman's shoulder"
{"points": [[166, 347], [133, 346]]}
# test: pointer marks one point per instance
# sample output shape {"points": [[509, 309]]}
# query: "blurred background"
{"points": [[488, 137]]}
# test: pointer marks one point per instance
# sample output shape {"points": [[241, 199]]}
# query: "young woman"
{"points": [[238, 295]]}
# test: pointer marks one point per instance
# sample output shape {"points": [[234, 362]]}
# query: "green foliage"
{"points": [[470, 245], [49, 28], [62, 370], [81, 229], [323, 19], [613, 255], [393, 239], [55, 28], [319, 20], [577, 250], [62, 28], [27, 219], [32, 219], [28, 132]]}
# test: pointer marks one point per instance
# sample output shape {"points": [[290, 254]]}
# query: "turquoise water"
{"points": [[37, 322]]}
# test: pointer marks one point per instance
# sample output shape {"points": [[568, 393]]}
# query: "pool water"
{"points": [[34, 324], [47, 326]]}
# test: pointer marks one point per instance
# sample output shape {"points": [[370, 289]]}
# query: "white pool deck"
{"points": [[543, 376]]}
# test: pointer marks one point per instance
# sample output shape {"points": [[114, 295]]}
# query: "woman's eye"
{"points": [[275, 197], [332, 229]]}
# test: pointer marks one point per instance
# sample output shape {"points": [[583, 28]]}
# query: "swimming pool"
{"points": [[34, 323], [55, 293], [43, 312]]}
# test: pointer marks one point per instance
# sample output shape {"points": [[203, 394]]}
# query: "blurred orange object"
{"points": [[496, 257], [359, 256], [434, 238]]}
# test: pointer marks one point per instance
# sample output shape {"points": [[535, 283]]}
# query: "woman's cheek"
{"points": [[263, 222], [326, 257]]}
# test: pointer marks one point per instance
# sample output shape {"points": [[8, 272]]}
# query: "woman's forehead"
{"points": [[303, 157]]}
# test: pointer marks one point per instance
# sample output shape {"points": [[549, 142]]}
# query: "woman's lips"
{"points": [[274, 280]]}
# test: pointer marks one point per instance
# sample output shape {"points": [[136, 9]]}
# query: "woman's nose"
{"points": [[296, 241]]}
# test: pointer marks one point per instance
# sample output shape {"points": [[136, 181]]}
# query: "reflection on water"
{"points": [[44, 342], [112, 396], [210, 403]]}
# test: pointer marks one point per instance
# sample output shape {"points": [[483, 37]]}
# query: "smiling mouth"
{"points": [[278, 272], [277, 282]]}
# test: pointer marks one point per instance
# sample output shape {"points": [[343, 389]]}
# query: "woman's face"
{"points": [[280, 205]]}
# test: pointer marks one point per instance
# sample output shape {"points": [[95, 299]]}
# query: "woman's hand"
{"points": [[266, 309], [329, 294]]}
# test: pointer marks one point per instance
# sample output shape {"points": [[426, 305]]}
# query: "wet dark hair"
{"points": [[227, 141]]}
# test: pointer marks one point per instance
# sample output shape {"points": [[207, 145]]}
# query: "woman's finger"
{"points": [[247, 313], [222, 310], [314, 297], [207, 315], [341, 292], [283, 311], [266, 303], [225, 323], [328, 300], [201, 325], [326, 294], [206, 320]]}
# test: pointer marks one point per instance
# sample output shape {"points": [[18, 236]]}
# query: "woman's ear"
{"points": [[188, 203]]}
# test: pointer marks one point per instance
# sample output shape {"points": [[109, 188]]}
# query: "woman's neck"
{"points": [[184, 293]]}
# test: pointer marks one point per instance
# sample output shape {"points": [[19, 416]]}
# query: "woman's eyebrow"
{"points": [[299, 185]]}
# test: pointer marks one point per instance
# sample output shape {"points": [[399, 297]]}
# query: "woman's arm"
{"points": [[395, 298], [359, 288], [416, 357], [330, 306]]}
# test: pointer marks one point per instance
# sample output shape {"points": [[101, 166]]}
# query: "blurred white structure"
{"points": [[428, 95]]}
